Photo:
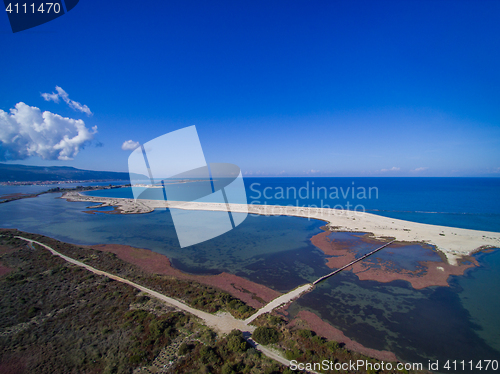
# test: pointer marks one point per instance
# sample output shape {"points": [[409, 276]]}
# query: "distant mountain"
{"points": [[23, 173]]}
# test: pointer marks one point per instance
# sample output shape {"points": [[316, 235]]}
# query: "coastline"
{"points": [[252, 293], [454, 243], [155, 263], [429, 273], [309, 320], [245, 290]]}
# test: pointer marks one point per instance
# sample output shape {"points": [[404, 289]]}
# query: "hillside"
{"points": [[23, 173]]}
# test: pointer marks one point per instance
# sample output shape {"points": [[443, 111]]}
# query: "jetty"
{"points": [[351, 263]]}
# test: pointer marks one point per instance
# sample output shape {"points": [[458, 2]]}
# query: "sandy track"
{"points": [[279, 301], [223, 322]]}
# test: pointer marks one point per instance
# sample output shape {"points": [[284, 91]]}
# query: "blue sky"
{"points": [[350, 88]]}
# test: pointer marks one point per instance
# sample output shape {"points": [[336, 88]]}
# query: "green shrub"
{"points": [[332, 346], [135, 359], [208, 355], [275, 320], [306, 333], [183, 349], [266, 335], [293, 354], [236, 342], [227, 368], [234, 304]]}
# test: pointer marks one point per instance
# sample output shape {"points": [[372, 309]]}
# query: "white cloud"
{"points": [[420, 169], [394, 168], [26, 131], [75, 105], [312, 171], [51, 97], [130, 145]]}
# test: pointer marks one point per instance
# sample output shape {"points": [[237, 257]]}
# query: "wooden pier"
{"points": [[351, 263]]}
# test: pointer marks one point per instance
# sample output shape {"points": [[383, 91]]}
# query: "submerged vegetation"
{"points": [[59, 318], [305, 346]]}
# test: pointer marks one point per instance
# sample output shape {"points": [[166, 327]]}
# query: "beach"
{"points": [[454, 243]]}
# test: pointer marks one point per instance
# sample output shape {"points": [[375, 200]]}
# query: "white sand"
{"points": [[453, 242]]}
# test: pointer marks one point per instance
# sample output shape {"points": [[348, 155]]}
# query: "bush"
{"points": [[208, 336], [234, 304], [293, 355], [275, 320], [227, 368], [266, 335], [183, 349], [135, 359], [332, 346], [236, 342], [208, 355], [306, 334]]}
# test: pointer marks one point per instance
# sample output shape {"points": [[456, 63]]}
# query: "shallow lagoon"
{"points": [[459, 322]]}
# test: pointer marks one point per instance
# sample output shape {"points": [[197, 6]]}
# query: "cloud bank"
{"points": [[75, 105], [26, 132], [130, 145], [394, 168]]}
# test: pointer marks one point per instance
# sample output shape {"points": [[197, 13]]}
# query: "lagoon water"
{"points": [[457, 322]]}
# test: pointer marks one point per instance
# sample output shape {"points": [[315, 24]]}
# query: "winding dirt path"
{"points": [[222, 322]]}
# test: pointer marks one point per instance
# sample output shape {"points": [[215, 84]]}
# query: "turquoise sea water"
{"points": [[457, 322]]}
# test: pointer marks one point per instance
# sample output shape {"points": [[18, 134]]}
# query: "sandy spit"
{"points": [[453, 242]]}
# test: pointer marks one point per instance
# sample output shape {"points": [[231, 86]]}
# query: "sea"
{"points": [[459, 322]]}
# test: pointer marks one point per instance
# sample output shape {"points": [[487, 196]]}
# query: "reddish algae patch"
{"points": [[430, 273], [253, 294], [311, 321]]}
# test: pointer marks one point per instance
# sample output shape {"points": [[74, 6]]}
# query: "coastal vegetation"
{"points": [[59, 318], [305, 346], [229, 355], [56, 317]]}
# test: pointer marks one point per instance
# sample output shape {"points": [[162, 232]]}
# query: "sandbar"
{"points": [[454, 243]]}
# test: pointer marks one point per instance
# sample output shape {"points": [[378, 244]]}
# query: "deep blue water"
{"points": [[471, 203]]}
